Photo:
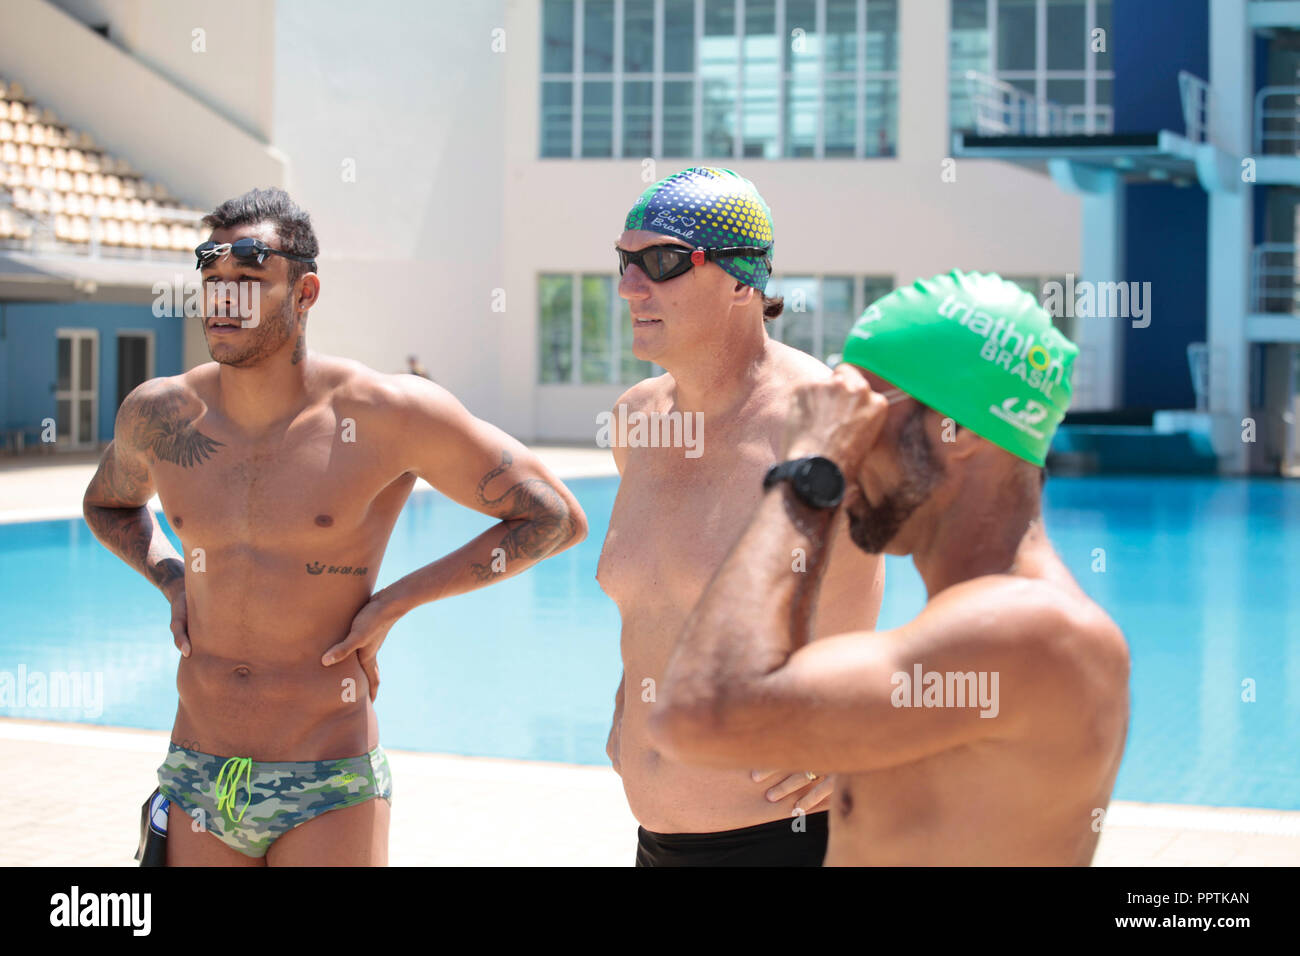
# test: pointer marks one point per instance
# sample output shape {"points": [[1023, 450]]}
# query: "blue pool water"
{"points": [[1200, 573]]}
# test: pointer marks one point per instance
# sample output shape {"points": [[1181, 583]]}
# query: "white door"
{"points": [[76, 390]]}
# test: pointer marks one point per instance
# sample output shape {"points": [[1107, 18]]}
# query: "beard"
{"points": [[872, 527], [268, 336]]}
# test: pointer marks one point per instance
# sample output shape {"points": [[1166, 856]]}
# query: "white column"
{"points": [[1229, 235], [1098, 379], [923, 37]]}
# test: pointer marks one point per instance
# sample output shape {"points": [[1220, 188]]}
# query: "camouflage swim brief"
{"points": [[249, 804]]}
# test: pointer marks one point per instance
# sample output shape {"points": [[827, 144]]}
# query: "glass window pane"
{"points": [[1017, 33], [1103, 61], [557, 36], [800, 49], [557, 118], [84, 409], [598, 36], [969, 15], [87, 371], [761, 52], [841, 36], [597, 353], [637, 116], [555, 345], [1067, 35], [63, 420], [631, 368], [65, 364], [638, 36], [882, 35], [1105, 93], [718, 69], [760, 116], [841, 118], [1066, 92], [598, 118], [679, 36], [882, 117], [801, 115], [968, 49], [800, 305], [875, 287], [837, 315], [679, 113]]}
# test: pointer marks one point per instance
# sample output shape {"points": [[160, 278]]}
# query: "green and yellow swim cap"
{"points": [[711, 208], [976, 348]]}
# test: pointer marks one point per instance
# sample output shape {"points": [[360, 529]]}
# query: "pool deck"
{"points": [[76, 800]]}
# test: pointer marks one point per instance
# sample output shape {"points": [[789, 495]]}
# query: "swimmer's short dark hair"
{"points": [[773, 305], [292, 224]]}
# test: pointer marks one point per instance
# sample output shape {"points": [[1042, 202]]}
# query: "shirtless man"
{"points": [[933, 435], [679, 510], [283, 472]]}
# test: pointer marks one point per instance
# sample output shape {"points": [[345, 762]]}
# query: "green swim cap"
{"points": [[711, 208], [976, 348]]}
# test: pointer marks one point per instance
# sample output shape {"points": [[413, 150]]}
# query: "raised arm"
{"points": [[745, 687], [116, 501]]}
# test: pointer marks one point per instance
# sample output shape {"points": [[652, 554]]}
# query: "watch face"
{"points": [[822, 482]]}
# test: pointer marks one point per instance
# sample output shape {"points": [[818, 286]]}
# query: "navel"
{"points": [[846, 802], [242, 670], [324, 521], [177, 522]]}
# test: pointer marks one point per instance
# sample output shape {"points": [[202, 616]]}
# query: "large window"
{"points": [[719, 78], [586, 328], [1044, 48], [820, 310], [586, 333]]}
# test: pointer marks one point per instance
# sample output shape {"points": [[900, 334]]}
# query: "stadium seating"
{"points": [[50, 173]]}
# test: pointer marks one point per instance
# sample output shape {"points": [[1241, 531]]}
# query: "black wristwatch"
{"points": [[816, 481]]}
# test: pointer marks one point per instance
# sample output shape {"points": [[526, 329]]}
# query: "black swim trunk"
{"points": [[769, 844]]}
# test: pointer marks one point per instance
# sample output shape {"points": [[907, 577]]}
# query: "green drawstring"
{"points": [[237, 766]]}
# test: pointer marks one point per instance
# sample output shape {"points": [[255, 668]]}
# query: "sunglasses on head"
{"points": [[669, 261], [244, 250]]}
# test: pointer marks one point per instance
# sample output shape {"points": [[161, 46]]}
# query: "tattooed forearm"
{"points": [[162, 427], [540, 519], [130, 533]]}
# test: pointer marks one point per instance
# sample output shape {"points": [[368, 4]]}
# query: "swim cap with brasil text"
{"points": [[975, 348], [711, 208]]}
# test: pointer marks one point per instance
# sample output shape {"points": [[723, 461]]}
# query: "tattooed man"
{"points": [[282, 472]]}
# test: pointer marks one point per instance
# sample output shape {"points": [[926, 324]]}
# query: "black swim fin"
{"points": [[153, 831]]}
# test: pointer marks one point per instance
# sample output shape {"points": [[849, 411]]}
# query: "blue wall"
{"points": [[29, 355], [1146, 69], [1165, 226], [1166, 246]]}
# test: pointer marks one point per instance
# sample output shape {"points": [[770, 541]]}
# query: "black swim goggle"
{"points": [[244, 250], [669, 261]]}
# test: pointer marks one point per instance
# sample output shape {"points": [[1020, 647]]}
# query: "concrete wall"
{"points": [[873, 216], [228, 65], [131, 110], [410, 97]]}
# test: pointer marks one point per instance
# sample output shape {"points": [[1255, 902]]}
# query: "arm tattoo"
{"points": [[163, 428], [544, 519]]}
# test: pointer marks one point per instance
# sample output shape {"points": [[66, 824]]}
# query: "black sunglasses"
{"points": [[245, 250], [669, 261]]}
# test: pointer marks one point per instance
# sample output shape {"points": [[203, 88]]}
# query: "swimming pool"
{"points": [[1200, 573]]}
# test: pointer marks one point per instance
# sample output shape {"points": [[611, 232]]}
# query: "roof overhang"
{"points": [[52, 278]]}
